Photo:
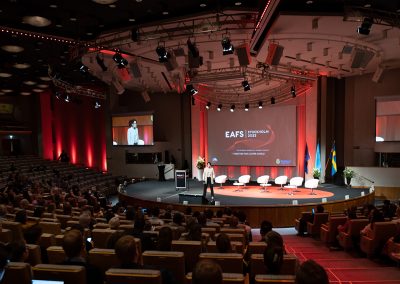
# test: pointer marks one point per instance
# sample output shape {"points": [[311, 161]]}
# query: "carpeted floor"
{"points": [[342, 267]]}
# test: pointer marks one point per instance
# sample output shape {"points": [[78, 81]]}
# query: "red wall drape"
{"points": [[78, 128]]}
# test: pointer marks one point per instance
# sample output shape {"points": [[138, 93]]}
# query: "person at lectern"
{"points": [[133, 134], [208, 178]]}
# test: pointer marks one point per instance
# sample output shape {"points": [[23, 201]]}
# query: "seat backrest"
{"points": [[103, 259], [191, 250], [100, 237], [173, 261], [56, 254], [320, 218], [227, 278], [229, 262], [70, 274], [133, 276], [236, 247], [35, 256], [281, 180], [355, 226], [311, 183], [263, 179], [210, 231], [256, 247], [296, 181], [244, 179], [6, 236], [17, 272], [382, 231], [221, 179], [15, 228], [50, 227], [274, 279], [289, 265]]}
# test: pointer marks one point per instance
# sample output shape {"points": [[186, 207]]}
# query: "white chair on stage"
{"points": [[242, 181], [263, 182], [281, 180], [220, 179], [312, 183], [294, 183]]}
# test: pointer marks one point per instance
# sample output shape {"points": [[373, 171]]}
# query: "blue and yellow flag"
{"points": [[333, 158], [306, 158]]}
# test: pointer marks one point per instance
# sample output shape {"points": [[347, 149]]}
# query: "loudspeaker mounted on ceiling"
{"points": [[243, 54], [275, 52], [361, 57]]}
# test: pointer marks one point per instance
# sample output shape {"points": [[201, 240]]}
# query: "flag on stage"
{"points": [[318, 158], [306, 158], [333, 158]]}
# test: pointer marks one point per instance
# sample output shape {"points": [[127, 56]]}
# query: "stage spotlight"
{"points": [[219, 107], [293, 91], [83, 69], [122, 62], [246, 107], [272, 100], [67, 99], [192, 49], [246, 85], [58, 95], [163, 54], [97, 104], [365, 27], [191, 90], [100, 62], [232, 108], [260, 105], [227, 47], [208, 105]]}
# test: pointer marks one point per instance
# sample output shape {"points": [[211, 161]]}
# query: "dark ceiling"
{"points": [[82, 21]]}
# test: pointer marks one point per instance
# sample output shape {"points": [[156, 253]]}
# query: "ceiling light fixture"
{"points": [[36, 21], [162, 53], [5, 75], [12, 48], [191, 90], [208, 105], [227, 47], [121, 61], [83, 69], [232, 108], [21, 65], [365, 27], [25, 93], [272, 100], [260, 105], [67, 99], [219, 107], [293, 91], [97, 105], [246, 85], [246, 107]]}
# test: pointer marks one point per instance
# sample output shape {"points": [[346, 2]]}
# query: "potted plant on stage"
{"points": [[200, 165], [316, 173], [348, 174]]}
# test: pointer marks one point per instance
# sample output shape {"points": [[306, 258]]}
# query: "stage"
{"points": [[228, 195]]}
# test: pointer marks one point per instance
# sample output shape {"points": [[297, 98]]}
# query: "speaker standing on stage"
{"points": [[208, 178]]}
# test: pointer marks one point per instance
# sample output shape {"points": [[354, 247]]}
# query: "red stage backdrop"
{"points": [[76, 127]]}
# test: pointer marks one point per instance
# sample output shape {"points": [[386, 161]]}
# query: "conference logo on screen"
{"points": [[246, 133], [283, 162]]}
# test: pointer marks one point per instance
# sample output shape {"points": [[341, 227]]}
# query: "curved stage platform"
{"points": [[273, 204]]}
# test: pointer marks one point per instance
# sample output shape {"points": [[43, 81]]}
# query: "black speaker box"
{"points": [[275, 52], [192, 198]]}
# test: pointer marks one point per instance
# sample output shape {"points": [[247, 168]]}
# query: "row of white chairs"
{"points": [[263, 180]]}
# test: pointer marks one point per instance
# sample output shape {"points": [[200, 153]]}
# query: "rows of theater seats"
{"points": [[38, 170], [380, 242], [180, 261]]}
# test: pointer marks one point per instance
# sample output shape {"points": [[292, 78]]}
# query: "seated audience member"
{"points": [[21, 217], [308, 218], [376, 216], [127, 253], [176, 225], [351, 213], [18, 251], [85, 220], [207, 272], [223, 243], [273, 238], [154, 219], [113, 238], [265, 227], [273, 258], [388, 209], [114, 223], [243, 223], [130, 213], [138, 232], [74, 248], [311, 272], [165, 239]]}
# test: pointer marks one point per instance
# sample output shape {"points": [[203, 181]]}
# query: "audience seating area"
{"points": [[54, 203]]}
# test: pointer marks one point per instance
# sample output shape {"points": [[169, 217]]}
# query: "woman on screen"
{"points": [[133, 134]]}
